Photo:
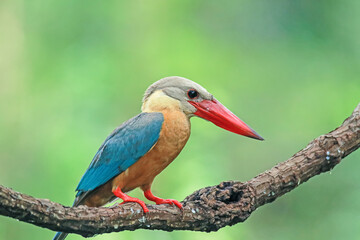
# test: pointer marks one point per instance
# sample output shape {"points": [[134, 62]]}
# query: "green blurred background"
{"points": [[71, 71]]}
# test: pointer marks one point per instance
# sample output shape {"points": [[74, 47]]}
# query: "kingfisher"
{"points": [[140, 148]]}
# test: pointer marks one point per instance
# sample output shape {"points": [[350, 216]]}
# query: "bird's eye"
{"points": [[192, 93]]}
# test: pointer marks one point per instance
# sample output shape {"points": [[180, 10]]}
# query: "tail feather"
{"points": [[60, 236], [80, 197], [77, 202]]}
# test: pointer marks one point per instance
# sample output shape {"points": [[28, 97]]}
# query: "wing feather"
{"points": [[121, 149]]}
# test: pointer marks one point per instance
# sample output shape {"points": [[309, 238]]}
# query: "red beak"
{"points": [[218, 114]]}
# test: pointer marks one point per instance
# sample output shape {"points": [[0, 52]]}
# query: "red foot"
{"points": [[117, 192], [148, 194]]}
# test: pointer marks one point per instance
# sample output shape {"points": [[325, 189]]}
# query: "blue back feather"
{"points": [[121, 149]]}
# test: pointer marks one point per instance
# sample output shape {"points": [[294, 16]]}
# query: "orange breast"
{"points": [[173, 136]]}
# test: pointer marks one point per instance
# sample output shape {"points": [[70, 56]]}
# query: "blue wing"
{"points": [[125, 145]]}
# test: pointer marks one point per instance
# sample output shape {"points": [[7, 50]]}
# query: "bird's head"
{"points": [[193, 100]]}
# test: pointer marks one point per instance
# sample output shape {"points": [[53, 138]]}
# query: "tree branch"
{"points": [[207, 209]]}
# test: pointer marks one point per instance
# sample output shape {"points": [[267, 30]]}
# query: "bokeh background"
{"points": [[71, 71]]}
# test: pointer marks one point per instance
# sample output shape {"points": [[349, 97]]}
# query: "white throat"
{"points": [[159, 101]]}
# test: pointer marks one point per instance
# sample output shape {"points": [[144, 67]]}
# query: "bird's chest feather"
{"points": [[173, 136]]}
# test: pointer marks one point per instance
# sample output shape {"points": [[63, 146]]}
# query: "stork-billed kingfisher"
{"points": [[139, 149]]}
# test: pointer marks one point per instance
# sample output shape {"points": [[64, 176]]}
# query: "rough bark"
{"points": [[207, 209]]}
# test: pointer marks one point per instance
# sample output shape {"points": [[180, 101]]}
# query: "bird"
{"points": [[142, 147]]}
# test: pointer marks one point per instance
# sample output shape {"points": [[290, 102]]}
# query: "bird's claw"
{"points": [[169, 201], [117, 192], [148, 194], [142, 204]]}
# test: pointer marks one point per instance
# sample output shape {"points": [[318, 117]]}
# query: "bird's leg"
{"points": [[148, 194], [117, 192]]}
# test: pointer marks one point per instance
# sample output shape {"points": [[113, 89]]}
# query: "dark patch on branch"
{"points": [[207, 209]]}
